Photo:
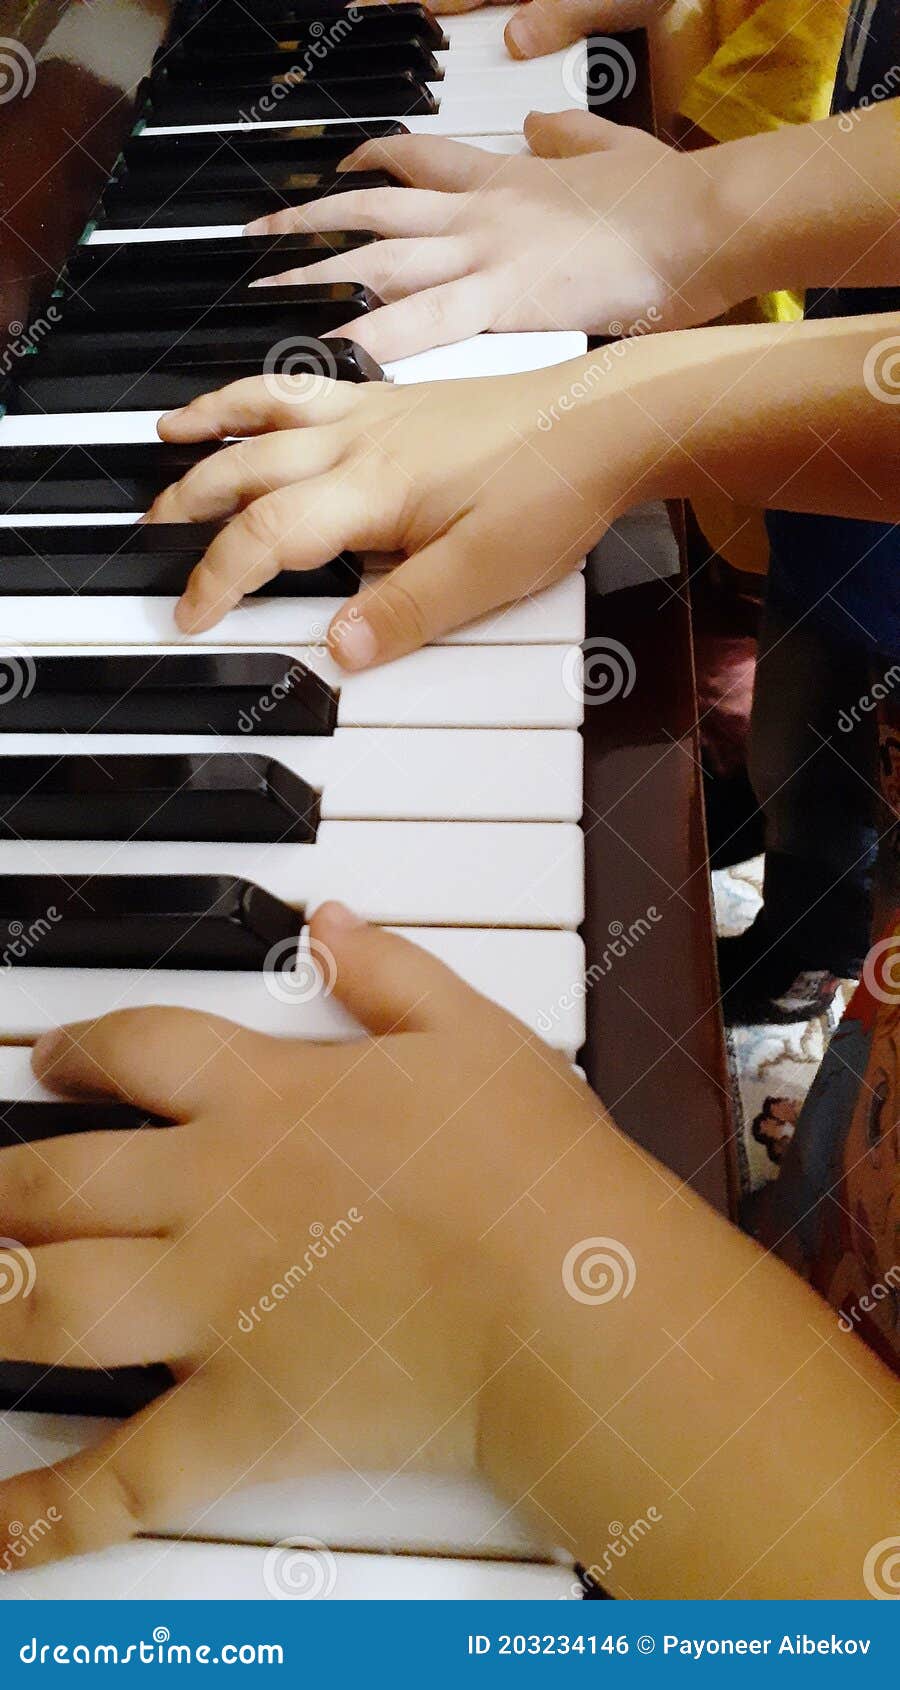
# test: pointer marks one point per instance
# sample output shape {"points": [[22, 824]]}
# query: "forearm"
{"points": [[809, 205], [714, 1410], [796, 416]]}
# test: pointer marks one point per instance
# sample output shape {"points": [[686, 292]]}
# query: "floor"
{"points": [[772, 1067]]}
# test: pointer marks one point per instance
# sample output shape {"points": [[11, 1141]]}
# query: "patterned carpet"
{"points": [[772, 1067]]}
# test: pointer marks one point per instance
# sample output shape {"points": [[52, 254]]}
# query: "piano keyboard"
{"points": [[440, 795]]}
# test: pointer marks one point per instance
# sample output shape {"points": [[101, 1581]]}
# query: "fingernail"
{"points": [[356, 645], [47, 1050], [339, 918], [188, 614], [519, 38]]}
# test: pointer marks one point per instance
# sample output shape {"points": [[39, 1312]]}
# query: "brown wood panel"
{"points": [[655, 1049]]}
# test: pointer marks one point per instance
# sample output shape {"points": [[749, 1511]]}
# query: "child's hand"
{"points": [[628, 233], [302, 1247], [491, 490]]}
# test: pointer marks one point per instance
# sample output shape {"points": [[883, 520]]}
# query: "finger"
{"points": [[440, 587], [387, 983], [112, 1302], [392, 269], [434, 317], [224, 483], [426, 161], [389, 211], [567, 134], [157, 1059], [545, 26], [299, 527], [88, 1185], [257, 405], [152, 1469]]}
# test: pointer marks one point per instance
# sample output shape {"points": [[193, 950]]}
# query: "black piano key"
{"points": [[156, 375], [215, 155], [203, 921], [153, 560], [236, 331], [75, 479], [311, 308], [141, 205], [205, 797], [30, 1120], [114, 1393], [225, 692], [403, 95], [232, 26], [269, 66], [194, 272]]}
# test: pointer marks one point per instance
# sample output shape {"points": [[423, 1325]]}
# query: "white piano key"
{"points": [[154, 1570], [412, 1511], [537, 976], [552, 617], [437, 687], [428, 874], [488, 355], [385, 774]]}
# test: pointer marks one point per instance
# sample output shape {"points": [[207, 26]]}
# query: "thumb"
{"points": [[387, 983], [545, 26], [568, 133], [435, 590]]}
